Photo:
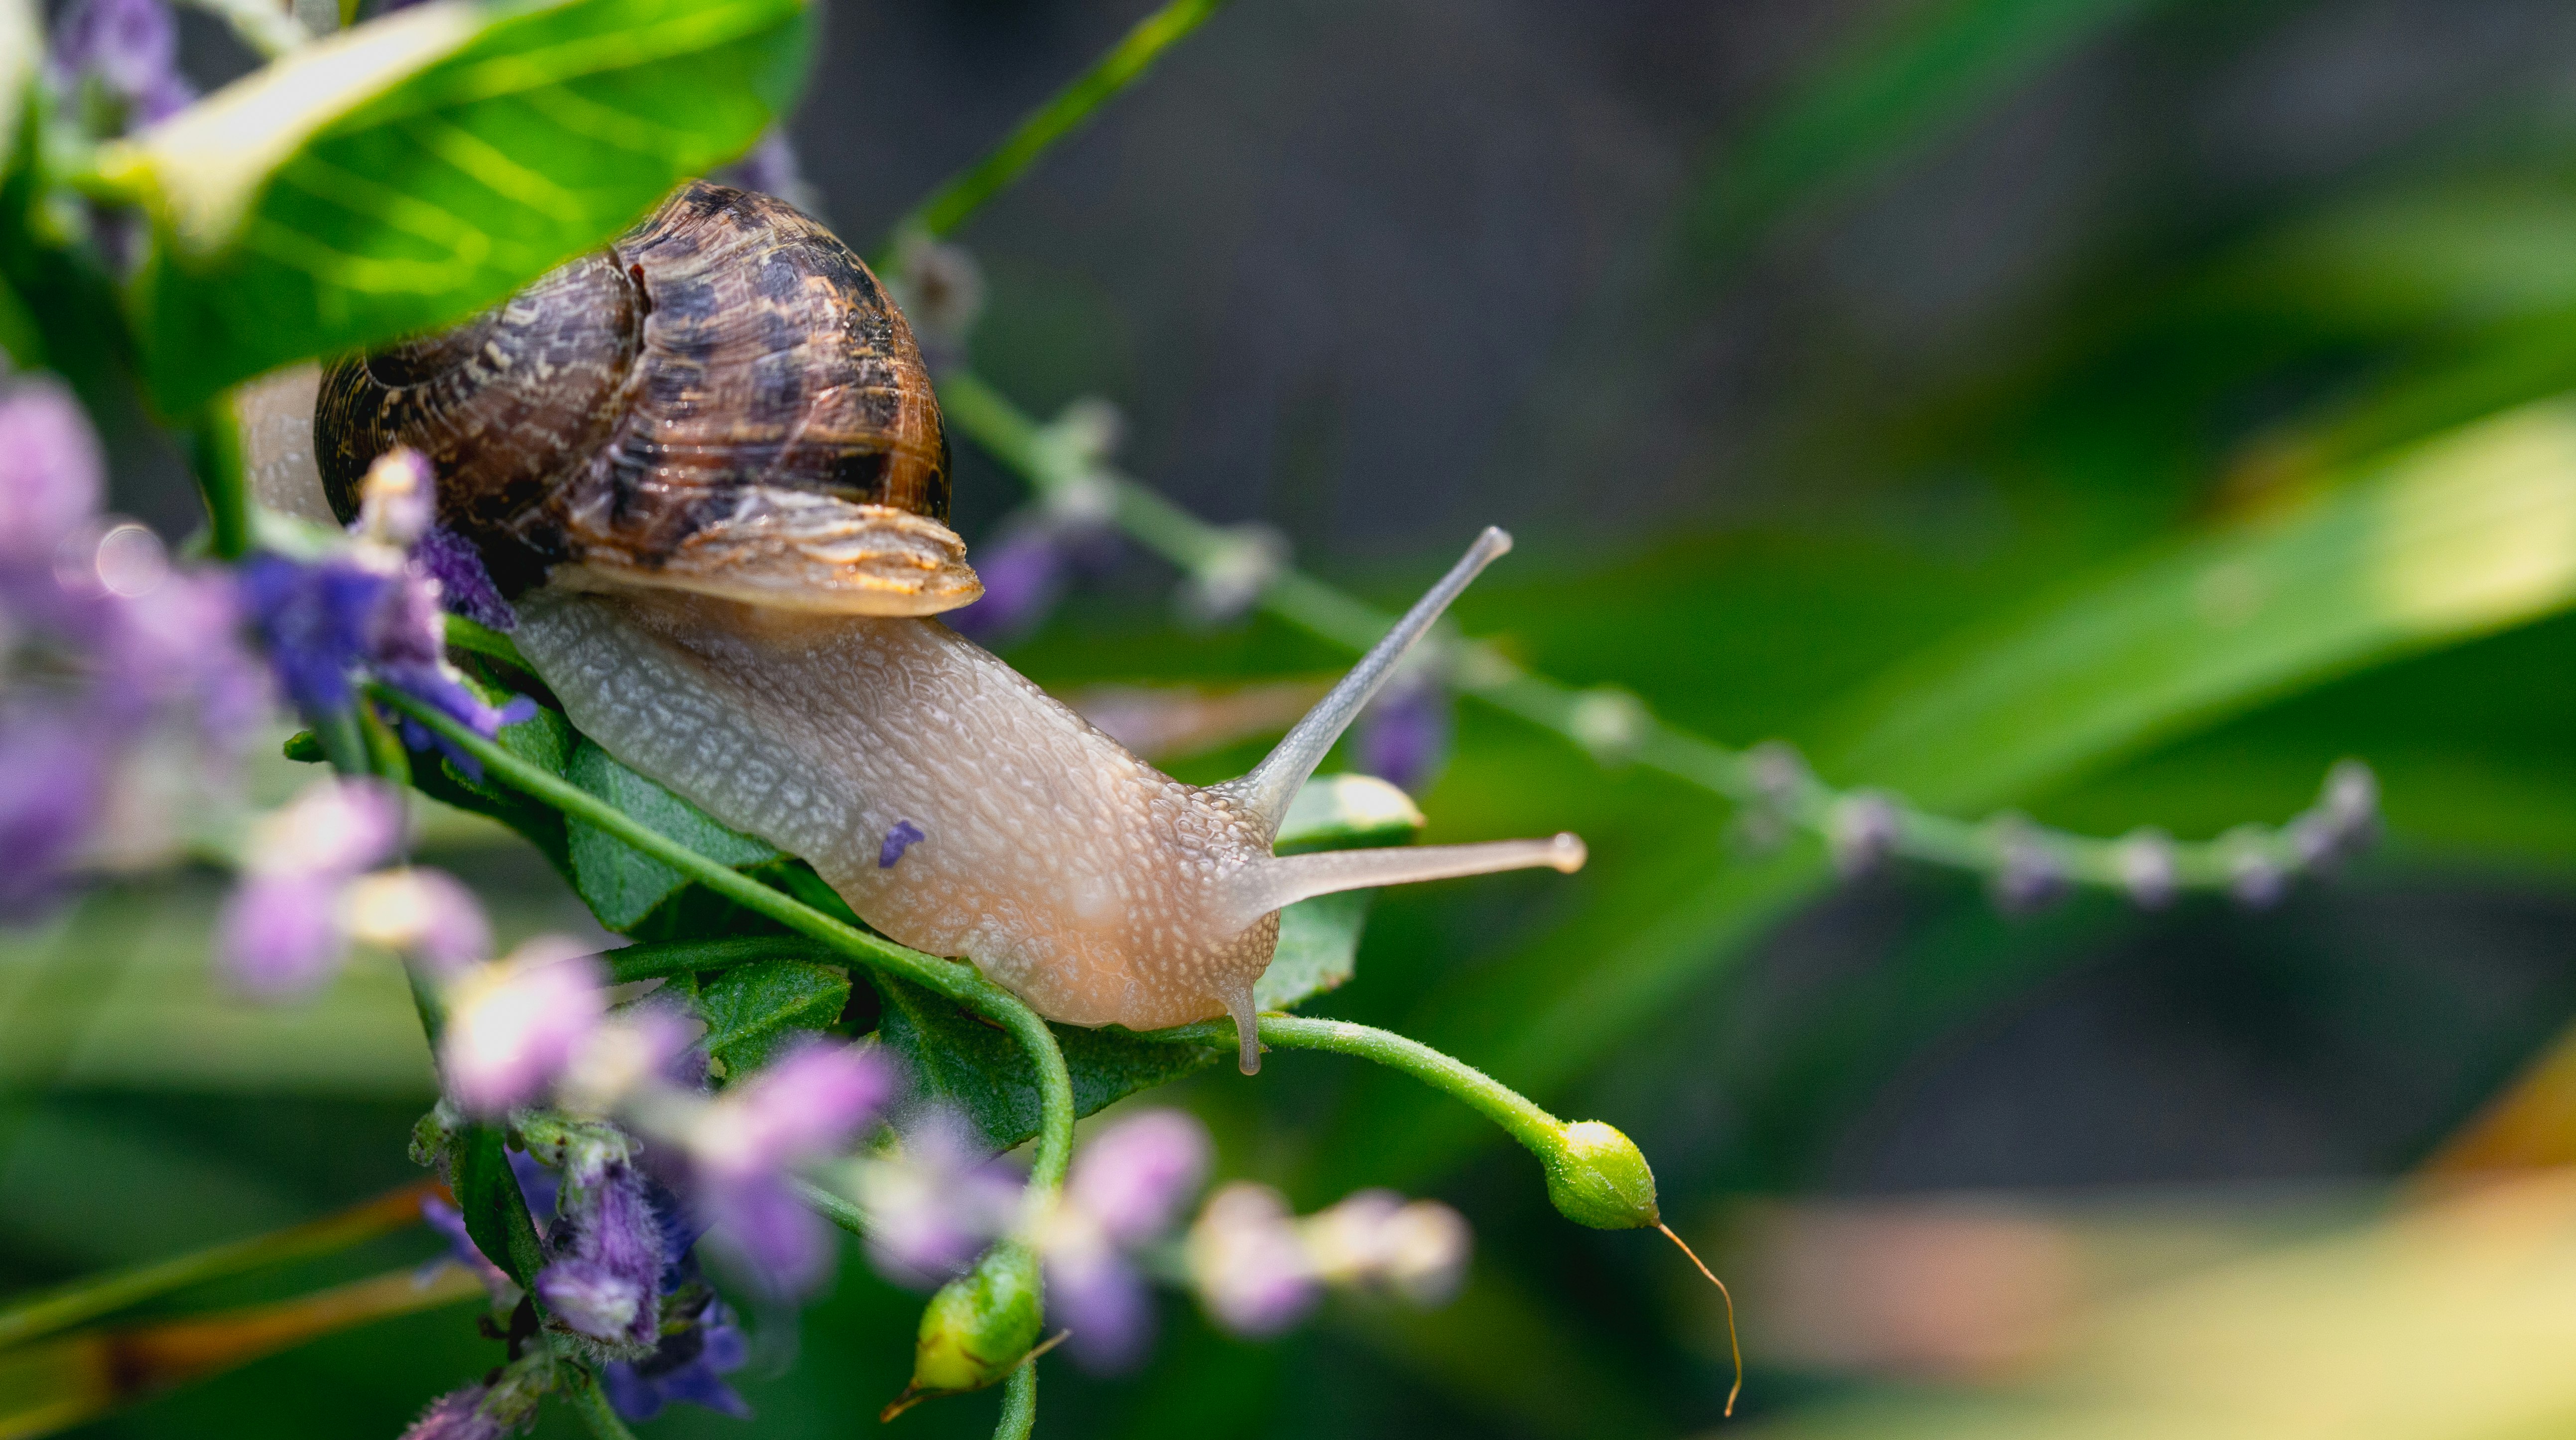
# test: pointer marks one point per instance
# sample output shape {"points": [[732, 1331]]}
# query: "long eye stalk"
{"points": [[1288, 879], [1269, 786]]}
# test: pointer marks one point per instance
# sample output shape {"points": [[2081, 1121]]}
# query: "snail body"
{"points": [[710, 464]]}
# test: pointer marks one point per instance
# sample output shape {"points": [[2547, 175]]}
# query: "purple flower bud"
{"points": [[1403, 736], [51, 476], [1248, 1263], [2027, 876], [398, 498], [131, 47], [464, 583], [315, 621], [52, 775], [803, 1105], [427, 914], [1137, 1172], [456, 1415], [513, 1026], [758, 1222], [2148, 870], [334, 828], [902, 837], [280, 935], [1098, 1296], [2255, 875], [1862, 831], [689, 1364], [1024, 576], [606, 1278], [1375, 1239], [934, 1203]]}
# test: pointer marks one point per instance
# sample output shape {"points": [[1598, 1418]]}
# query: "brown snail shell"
{"points": [[723, 401]]}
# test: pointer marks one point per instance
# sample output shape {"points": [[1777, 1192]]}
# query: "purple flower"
{"points": [[131, 49], [51, 477], [1137, 1173], [902, 837], [464, 583], [280, 935], [373, 609], [1862, 830], [803, 1106], [515, 1025], [1403, 735], [52, 773], [935, 1201], [606, 1278], [1024, 575], [1377, 1239], [1248, 1263], [1127, 1187], [689, 1364], [457, 1415], [428, 914]]}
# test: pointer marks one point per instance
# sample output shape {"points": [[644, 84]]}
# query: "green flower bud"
{"points": [[977, 1328], [1597, 1177]]}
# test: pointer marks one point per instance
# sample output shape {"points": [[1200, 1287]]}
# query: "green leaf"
{"points": [[622, 885], [545, 740], [1342, 812], [22, 44], [405, 173], [2467, 535], [1319, 944], [979, 1068], [496, 1214], [753, 1010]]}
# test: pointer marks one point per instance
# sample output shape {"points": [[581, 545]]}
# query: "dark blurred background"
{"points": [[1789, 342]]}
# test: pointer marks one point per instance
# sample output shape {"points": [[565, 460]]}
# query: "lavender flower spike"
{"points": [[934, 1202], [690, 1364], [515, 1025], [1248, 1263], [1137, 1173], [607, 1280], [51, 476], [803, 1106]]}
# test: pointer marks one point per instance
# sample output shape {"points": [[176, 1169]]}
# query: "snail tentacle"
{"points": [[1266, 789]]}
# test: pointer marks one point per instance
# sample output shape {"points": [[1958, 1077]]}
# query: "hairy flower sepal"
{"points": [[978, 1328], [1596, 1176]]}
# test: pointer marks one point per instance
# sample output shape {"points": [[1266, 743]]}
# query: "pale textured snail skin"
{"points": [[1096, 888]]}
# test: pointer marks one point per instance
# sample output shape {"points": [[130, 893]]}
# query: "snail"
{"points": [[708, 465]]}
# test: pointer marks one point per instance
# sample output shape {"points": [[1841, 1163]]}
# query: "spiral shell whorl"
{"points": [[724, 402]]}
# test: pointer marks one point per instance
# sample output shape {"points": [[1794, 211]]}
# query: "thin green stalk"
{"points": [[1611, 725], [215, 452], [957, 981], [591, 1404], [1489, 1097], [1019, 1403], [93, 1296], [833, 1207], [1061, 115]]}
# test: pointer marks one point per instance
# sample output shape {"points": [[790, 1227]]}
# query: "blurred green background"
{"points": [[2111, 409]]}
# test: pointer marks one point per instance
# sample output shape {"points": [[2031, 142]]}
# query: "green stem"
{"points": [[1061, 115], [957, 981], [89, 1298], [833, 1207], [591, 1404], [1019, 1403], [1613, 726], [1489, 1097], [215, 451]]}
